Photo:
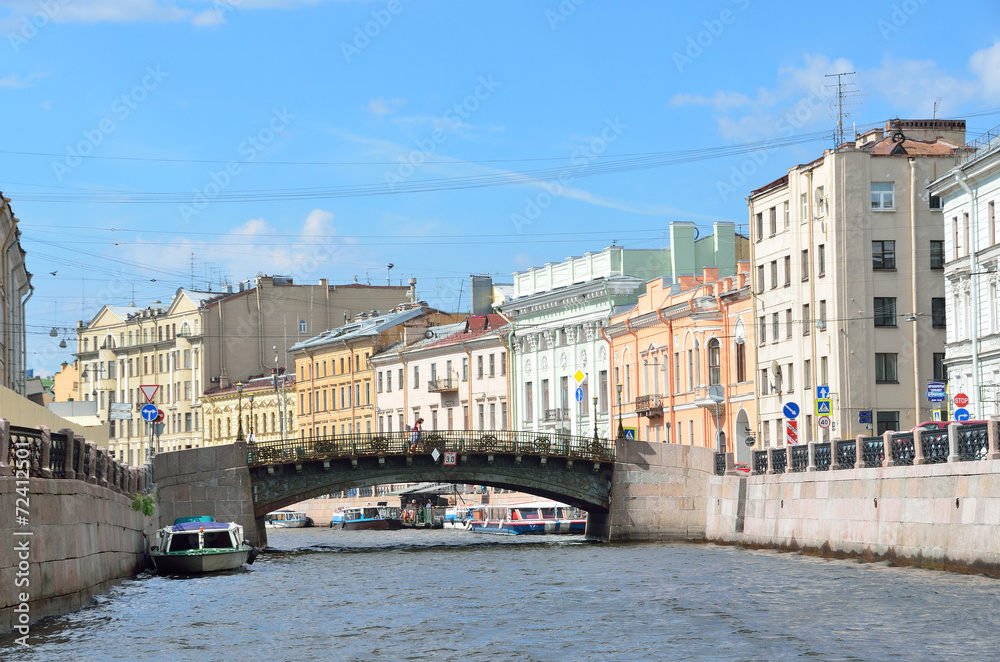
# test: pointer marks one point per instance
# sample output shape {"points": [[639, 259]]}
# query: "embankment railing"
{"points": [[956, 443], [40, 453]]}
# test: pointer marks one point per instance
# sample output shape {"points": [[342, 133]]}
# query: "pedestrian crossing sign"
{"points": [[823, 406], [629, 433]]}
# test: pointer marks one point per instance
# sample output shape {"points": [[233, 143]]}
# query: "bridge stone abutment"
{"points": [[660, 492], [212, 481]]}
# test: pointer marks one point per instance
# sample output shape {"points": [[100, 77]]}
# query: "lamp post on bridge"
{"points": [[252, 438], [595, 419], [239, 415], [621, 428]]}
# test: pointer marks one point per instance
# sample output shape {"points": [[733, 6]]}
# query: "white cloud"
{"points": [[16, 82], [382, 106], [208, 18]]}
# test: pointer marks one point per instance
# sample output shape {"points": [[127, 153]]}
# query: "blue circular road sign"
{"points": [[579, 394], [791, 410], [961, 414], [149, 412]]}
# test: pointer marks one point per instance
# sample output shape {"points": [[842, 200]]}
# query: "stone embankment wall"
{"points": [[69, 529], [212, 481], [660, 491]]}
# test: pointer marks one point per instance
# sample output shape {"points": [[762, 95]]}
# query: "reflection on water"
{"points": [[328, 594]]}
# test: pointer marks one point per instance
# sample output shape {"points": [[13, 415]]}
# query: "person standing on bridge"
{"points": [[415, 434]]}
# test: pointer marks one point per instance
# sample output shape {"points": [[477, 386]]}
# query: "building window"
{"points": [[935, 202], [806, 320], [416, 376], [714, 361], [822, 315], [760, 279], [677, 372], [741, 362], [492, 367], [888, 421], [788, 215], [805, 265], [819, 201], [774, 274], [937, 254], [882, 195], [775, 328], [804, 198], [765, 387], [479, 367], [940, 372], [545, 395], [788, 270], [762, 330], [885, 311], [774, 220], [759, 219], [821, 260], [788, 322], [789, 378], [824, 369], [807, 375], [885, 368], [883, 255], [302, 326], [503, 415], [603, 378], [378, 386], [937, 312]]}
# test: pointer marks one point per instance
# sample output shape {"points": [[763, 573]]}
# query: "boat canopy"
{"points": [[195, 526]]}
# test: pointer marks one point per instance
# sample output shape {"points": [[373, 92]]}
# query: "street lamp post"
{"points": [[252, 420], [621, 428], [595, 419], [239, 415]]}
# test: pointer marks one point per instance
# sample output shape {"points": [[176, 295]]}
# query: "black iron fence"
{"points": [[402, 443], [32, 454], [972, 443]]}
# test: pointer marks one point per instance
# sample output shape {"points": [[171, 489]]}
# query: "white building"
{"points": [[455, 379], [969, 195], [847, 259]]}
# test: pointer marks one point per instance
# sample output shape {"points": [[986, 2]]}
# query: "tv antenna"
{"points": [[846, 90]]}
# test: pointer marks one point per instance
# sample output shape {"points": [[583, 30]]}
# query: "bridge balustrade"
{"points": [[398, 443], [935, 446], [903, 449], [800, 457], [973, 442], [822, 455]]}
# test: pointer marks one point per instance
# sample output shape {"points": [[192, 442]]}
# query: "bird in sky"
{"points": [[54, 272]]}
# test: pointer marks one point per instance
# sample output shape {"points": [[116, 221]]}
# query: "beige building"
{"points": [[15, 290], [261, 401], [848, 284], [67, 382], [198, 342]]}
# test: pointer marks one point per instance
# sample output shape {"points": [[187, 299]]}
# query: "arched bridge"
{"points": [[574, 470]]}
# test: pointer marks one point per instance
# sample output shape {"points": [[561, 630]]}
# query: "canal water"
{"points": [[325, 594]]}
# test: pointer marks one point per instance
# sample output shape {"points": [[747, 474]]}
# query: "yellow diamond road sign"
{"points": [[579, 376]]}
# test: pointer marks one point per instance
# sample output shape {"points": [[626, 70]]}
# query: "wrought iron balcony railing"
{"points": [[649, 405]]}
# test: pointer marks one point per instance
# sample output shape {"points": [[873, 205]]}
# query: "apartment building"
{"points": [[558, 317], [201, 341], [455, 379], [969, 196], [335, 379], [15, 290], [681, 356], [261, 401], [848, 287]]}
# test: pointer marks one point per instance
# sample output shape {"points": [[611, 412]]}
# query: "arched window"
{"points": [[697, 363], [714, 362]]}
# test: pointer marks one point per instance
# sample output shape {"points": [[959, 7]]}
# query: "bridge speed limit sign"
{"points": [[824, 422]]}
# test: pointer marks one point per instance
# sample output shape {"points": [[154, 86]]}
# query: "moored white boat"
{"points": [[285, 519], [195, 545], [457, 517], [537, 517], [380, 517]]}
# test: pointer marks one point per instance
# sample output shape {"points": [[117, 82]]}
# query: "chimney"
{"points": [[709, 274]]}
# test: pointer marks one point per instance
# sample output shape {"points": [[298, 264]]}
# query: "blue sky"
{"points": [[329, 139]]}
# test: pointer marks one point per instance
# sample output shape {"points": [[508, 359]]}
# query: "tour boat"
{"points": [[337, 519], [530, 517], [458, 517], [194, 545], [285, 519], [379, 518]]}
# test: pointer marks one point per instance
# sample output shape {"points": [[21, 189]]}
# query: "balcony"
{"points": [[552, 415], [650, 406], [443, 385]]}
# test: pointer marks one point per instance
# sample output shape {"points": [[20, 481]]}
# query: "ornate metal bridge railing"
{"points": [[462, 441]]}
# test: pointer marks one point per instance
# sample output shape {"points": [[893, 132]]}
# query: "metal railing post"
{"points": [[859, 452], [46, 443], [887, 449], [953, 442], [812, 457], [918, 447], [770, 461], [993, 436]]}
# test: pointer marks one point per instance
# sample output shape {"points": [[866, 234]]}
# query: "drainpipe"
{"points": [[914, 332], [753, 322], [973, 248], [670, 367], [468, 354], [24, 340], [635, 336]]}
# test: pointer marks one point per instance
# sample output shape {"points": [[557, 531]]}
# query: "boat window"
{"points": [[548, 513], [181, 542], [218, 540]]}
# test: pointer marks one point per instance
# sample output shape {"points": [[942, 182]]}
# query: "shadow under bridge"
{"points": [[574, 470]]}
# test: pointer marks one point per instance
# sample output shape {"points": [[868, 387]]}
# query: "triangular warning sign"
{"points": [[149, 391]]}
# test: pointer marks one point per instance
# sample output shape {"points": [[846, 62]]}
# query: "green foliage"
{"points": [[144, 503]]}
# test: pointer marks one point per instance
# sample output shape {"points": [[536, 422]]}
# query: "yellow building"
{"points": [[334, 378], [261, 405], [66, 382]]}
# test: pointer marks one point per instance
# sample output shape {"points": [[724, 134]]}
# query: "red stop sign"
{"points": [[961, 399]]}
